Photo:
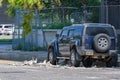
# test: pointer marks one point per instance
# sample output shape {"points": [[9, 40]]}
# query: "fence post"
{"points": [[102, 12]]}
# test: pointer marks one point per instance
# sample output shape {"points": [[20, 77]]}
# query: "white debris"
{"points": [[43, 63], [14, 64], [92, 77], [31, 62]]}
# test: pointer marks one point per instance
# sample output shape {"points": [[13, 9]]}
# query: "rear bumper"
{"points": [[93, 54], [8, 32]]}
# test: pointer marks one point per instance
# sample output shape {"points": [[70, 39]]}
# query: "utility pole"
{"points": [[84, 11]]}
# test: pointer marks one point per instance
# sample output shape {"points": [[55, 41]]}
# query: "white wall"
{"points": [[36, 37]]}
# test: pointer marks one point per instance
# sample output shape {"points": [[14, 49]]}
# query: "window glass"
{"points": [[78, 32], [64, 32], [92, 31], [71, 33]]}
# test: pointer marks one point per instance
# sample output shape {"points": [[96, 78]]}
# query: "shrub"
{"points": [[5, 40], [32, 48]]}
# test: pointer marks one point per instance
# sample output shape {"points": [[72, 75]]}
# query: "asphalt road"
{"points": [[49, 72], [46, 71]]}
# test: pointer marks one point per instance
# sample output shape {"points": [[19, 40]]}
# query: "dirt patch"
{"points": [[8, 62]]}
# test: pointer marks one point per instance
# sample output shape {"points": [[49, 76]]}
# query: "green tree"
{"points": [[72, 3], [31, 5], [28, 5], [79, 4], [0, 3]]}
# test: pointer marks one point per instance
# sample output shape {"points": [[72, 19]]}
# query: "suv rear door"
{"points": [[92, 31]]}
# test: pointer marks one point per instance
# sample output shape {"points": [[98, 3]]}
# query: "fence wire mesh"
{"points": [[62, 16]]}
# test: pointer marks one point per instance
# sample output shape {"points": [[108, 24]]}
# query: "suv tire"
{"points": [[112, 61], [51, 57], [73, 58], [102, 42]]}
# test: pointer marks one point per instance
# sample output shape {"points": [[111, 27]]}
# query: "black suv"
{"points": [[86, 43]]}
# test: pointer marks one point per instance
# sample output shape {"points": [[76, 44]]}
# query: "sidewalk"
{"points": [[17, 57], [23, 55], [8, 62]]}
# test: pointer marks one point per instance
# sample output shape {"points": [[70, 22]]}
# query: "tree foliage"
{"points": [[28, 5], [0, 3], [31, 5], [71, 3], [26, 23]]}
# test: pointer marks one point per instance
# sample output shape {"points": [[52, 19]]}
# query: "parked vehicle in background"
{"points": [[86, 43], [6, 29], [1, 30]]}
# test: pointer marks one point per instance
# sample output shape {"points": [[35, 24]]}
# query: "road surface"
{"points": [[45, 71]]}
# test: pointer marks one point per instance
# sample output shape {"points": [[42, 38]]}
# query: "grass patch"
{"points": [[38, 49], [5, 40], [32, 48], [18, 47]]}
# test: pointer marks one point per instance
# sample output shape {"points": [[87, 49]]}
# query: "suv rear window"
{"points": [[64, 32], [92, 31]]}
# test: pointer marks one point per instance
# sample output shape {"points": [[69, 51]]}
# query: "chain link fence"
{"points": [[61, 16], [19, 42]]}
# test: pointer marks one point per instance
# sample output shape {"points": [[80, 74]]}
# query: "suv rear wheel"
{"points": [[73, 58], [51, 57], [112, 61], [102, 42]]}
